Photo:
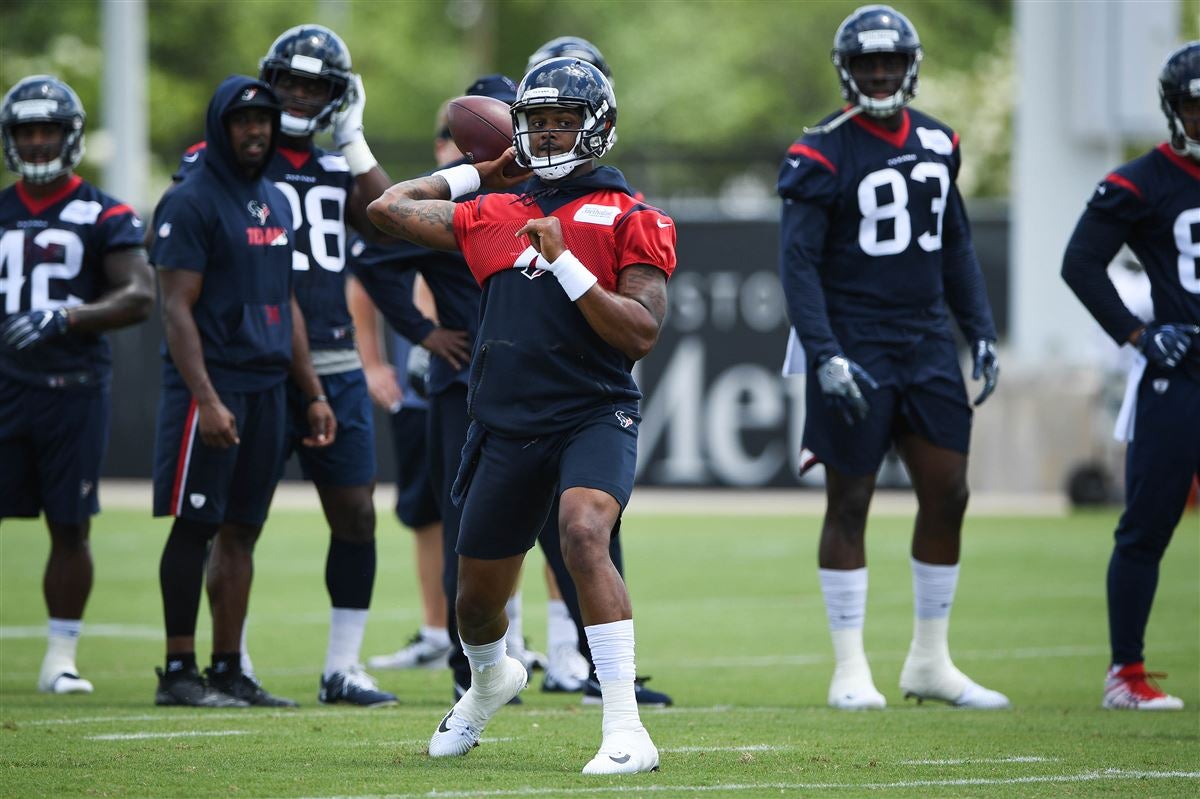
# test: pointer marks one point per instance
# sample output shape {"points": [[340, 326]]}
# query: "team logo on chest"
{"points": [[259, 211], [527, 262]]}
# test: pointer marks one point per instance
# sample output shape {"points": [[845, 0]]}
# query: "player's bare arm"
{"points": [[367, 187], [421, 210], [322, 424], [180, 291], [129, 300], [417, 210]]}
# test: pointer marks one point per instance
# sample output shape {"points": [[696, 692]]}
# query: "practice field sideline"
{"points": [[729, 620]]}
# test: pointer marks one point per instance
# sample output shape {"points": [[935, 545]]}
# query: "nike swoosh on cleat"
{"points": [[442, 727], [622, 759]]}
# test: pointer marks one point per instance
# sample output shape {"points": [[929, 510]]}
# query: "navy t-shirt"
{"points": [[52, 254], [875, 237]]}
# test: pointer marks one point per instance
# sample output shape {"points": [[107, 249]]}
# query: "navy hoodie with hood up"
{"points": [[236, 230]]}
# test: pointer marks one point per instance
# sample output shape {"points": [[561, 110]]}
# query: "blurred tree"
{"points": [[711, 92]]}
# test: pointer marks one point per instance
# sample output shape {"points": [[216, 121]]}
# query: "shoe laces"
{"points": [[1143, 685], [357, 676]]}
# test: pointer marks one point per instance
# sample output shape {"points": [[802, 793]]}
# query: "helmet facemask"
{"points": [[880, 107], [1180, 141], [28, 112], [593, 138], [322, 112]]}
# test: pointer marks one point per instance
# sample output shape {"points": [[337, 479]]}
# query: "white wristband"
{"points": [[462, 179], [572, 275], [358, 157]]}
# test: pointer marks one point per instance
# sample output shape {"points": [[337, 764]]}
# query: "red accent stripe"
{"points": [[38, 204], [1123, 182], [297, 158], [116, 209], [896, 138], [184, 450], [954, 140], [1183, 162], [808, 152], [200, 145]]}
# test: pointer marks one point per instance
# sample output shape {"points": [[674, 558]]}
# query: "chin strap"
{"points": [[836, 122]]}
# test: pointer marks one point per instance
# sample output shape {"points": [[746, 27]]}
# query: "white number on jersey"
{"points": [[12, 269], [319, 225], [873, 213], [1189, 250]]}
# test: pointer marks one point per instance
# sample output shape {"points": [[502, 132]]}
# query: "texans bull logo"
{"points": [[259, 211]]}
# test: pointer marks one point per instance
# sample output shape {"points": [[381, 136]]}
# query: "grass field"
{"points": [[729, 620]]}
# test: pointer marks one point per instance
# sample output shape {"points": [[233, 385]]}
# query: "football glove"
{"points": [[1164, 345], [838, 377], [31, 328], [348, 120], [417, 369], [987, 366]]}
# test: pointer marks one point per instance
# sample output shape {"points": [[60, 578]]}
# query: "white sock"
{"points": [[845, 592], [346, 628], [560, 627], [612, 647], [438, 636], [246, 663], [62, 638], [482, 658], [516, 630], [933, 597]]}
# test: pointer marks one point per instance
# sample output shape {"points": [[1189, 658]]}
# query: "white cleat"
{"points": [[855, 695], [418, 653], [624, 753], [459, 731], [566, 670], [941, 681], [64, 682]]}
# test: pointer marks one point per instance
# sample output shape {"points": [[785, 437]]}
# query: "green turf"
{"points": [[729, 620]]}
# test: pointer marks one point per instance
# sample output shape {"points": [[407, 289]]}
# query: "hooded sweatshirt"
{"points": [[236, 230]]}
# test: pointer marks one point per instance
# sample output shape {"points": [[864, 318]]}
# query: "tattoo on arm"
{"points": [[417, 210], [646, 285]]}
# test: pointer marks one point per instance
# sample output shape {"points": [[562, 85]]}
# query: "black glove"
{"points": [[1164, 345], [417, 369], [838, 378], [28, 329], [987, 366]]}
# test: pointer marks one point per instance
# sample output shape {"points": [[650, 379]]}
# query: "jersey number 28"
{"points": [[319, 225]]}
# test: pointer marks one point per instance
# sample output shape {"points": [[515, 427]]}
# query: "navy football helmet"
{"points": [[314, 52], [877, 29], [570, 47], [565, 83], [1179, 79], [43, 98]]}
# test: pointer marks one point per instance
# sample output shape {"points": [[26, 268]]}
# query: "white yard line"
{"points": [[138, 736], [971, 761], [747, 748], [1110, 775], [139, 631]]}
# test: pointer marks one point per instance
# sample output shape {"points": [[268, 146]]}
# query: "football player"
{"points": [[71, 267], [1151, 204], [553, 403], [875, 245], [310, 70]]}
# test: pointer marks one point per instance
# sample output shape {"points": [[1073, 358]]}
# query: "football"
{"points": [[481, 126]]}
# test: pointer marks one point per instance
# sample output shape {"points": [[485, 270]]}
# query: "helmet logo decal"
{"points": [[878, 40], [306, 63], [542, 92], [249, 94], [34, 108]]}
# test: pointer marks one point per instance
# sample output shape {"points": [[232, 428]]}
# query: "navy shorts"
{"points": [[416, 505], [515, 481], [51, 444], [921, 391], [209, 485], [350, 459]]}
